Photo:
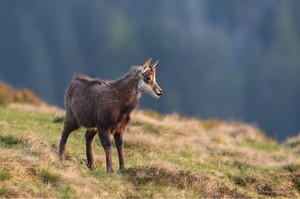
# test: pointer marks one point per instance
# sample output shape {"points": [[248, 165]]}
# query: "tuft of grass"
{"points": [[5, 175], [263, 146], [7, 192], [153, 114], [9, 141], [147, 126], [216, 139], [65, 191], [296, 181], [240, 165], [267, 189], [136, 194], [210, 124], [241, 180], [9, 94], [185, 154], [45, 175], [292, 168], [58, 119], [294, 144], [161, 176], [226, 192], [49, 177]]}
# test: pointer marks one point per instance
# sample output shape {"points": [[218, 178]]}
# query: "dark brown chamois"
{"points": [[104, 106]]}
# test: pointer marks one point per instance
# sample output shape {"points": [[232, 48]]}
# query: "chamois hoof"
{"points": [[61, 158], [91, 167], [122, 169], [109, 170]]}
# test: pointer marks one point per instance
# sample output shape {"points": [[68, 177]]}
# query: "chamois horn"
{"points": [[146, 65], [154, 64]]}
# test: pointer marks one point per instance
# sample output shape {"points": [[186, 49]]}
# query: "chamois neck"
{"points": [[127, 89], [126, 83]]}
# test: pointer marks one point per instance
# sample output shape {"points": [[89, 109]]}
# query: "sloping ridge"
{"points": [[166, 155]]}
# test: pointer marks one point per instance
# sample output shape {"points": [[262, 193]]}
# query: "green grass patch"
{"points": [[6, 192], [241, 180], [296, 181], [49, 177], [186, 154], [262, 146], [153, 114], [147, 126], [45, 175], [65, 191], [240, 165], [292, 168], [58, 119], [9, 141], [5, 175]]}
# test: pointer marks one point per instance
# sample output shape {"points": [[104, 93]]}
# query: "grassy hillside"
{"points": [[167, 156]]}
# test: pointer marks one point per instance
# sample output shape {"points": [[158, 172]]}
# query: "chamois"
{"points": [[104, 107]]}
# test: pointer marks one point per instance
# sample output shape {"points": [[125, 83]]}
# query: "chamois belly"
{"points": [[85, 120], [84, 116], [109, 119]]}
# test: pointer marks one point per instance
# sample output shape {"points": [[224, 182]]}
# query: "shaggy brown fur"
{"points": [[104, 106]]}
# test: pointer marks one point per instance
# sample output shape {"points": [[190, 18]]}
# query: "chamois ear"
{"points": [[146, 65], [154, 64]]}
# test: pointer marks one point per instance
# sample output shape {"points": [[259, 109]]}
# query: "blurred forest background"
{"points": [[218, 59]]}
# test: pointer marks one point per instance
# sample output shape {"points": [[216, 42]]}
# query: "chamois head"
{"points": [[147, 80]]}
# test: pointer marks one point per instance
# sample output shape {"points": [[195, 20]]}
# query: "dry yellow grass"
{"points": [[9, 94], [167, 156]]}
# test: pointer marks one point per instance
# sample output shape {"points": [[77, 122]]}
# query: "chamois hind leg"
{"points": [[105, 139], [118, 136], [89, 139], [68, 128], [120, 148]]}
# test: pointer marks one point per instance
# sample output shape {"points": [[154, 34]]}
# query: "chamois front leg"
{"points": [[105, 139], [89, 139], [62, 145], [118, 136], [68, 128]]}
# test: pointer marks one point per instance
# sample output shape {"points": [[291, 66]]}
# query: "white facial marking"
{"points": [[141, 84], [143, 87]]}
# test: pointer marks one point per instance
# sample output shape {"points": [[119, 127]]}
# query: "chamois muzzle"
{"points": [[158, 92]]}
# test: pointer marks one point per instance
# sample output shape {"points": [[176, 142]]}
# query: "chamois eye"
{"points": [[148, 78]]}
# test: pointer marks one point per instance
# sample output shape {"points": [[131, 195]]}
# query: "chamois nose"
{"points": [[159, 92]]}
